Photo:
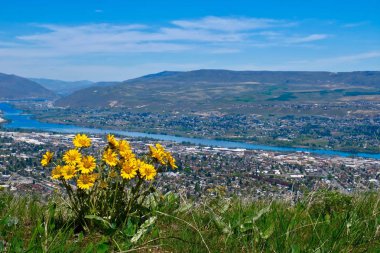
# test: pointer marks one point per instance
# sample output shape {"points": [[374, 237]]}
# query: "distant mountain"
{"points": [[218, 88], [62, 87], [105, 83], [15, 87]]}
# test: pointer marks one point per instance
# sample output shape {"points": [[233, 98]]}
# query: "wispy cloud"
{"points": [[232, 24], [353, 57], [106, 49], [329, 61], [210, 34], [357, 24], [308, 38], [225, 51]]}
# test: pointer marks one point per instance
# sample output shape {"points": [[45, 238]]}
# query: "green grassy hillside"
{"points": [[319, 222], [224, 89]]}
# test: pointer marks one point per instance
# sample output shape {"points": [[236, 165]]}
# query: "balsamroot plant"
{"points": [[112, 186]]}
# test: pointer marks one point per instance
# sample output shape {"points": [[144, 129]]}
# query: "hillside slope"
{"points": [[215, 88], [62, 87], [320, 222], [15, 87]]}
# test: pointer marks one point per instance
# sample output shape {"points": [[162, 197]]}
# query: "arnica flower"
{"points": [[72, 157], [110, 157], [129, 169], [112, 141], [68, 171], [87, 164], [46, 158], [86, 181], [81, 141], [56, 173], [158, 153], [125, 150], [147, 171], [171, 161]]}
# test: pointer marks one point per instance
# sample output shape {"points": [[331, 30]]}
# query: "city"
{"points": [[252, 174]]}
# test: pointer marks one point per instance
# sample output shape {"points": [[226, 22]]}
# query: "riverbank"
{"points": [[280, 142], [18, 120], [312, 133]]}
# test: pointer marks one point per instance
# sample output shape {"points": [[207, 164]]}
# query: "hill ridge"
{"points": [[15, 87], [219, 86]]}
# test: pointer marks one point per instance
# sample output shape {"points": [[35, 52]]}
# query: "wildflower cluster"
{"points": [[112, 184], [162, 156]]}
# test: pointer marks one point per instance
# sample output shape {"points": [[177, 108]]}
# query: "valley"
{"points": [[319, 110]]}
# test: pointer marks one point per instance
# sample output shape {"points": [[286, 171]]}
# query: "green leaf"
{"points": [[223, 208], [327, 218], [260, 213], [150, 202], [268, 232], [130, 229], [184, 208], [95, 217], [102, 248], [80, 236], [143, 229], [220, 224], [296, 249], [12, 221]]}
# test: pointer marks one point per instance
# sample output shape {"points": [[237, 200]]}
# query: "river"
{"points": [[18, 120]]}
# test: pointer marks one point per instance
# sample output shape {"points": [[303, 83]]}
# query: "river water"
{"points": [[17, 119]]}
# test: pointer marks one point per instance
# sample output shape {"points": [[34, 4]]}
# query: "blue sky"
{"points": [[118, 40]]}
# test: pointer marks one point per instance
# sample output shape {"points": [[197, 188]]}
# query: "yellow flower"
{"points": [[112, 141], [68, 171], [86, 181], [163, 157], [87, 164], [171, 161], [124, 145], [56, 173], [158, 153], [147, 171], [82, 141], [125, 150], [46, 158], [72, 156], [129, 169], [110, 157]]}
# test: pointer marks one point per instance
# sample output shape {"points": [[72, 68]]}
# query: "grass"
{"points": [[322, 221]]}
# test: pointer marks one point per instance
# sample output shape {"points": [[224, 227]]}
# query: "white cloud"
{"points": [[343, 59], [108, 38], [352, 58], [58, 48], [357, 24], [231, 24], [211, 34], [338, 63], [225, 51], [309, 38]]}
